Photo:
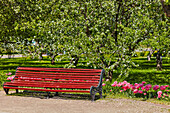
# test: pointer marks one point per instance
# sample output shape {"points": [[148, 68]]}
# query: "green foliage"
{"points": [[96, 29], [3, 78], [167, 2]]}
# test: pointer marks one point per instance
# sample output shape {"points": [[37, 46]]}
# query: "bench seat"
{"points": [[57, 80]]}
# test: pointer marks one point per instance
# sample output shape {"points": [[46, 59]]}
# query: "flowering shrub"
{"points": [[11, 78], [139, 90], [4, 77]]}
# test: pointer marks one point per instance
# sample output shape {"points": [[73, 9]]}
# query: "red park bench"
{"points": [[57, 80]]}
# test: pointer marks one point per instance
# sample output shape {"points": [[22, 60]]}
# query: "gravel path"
{"points": [[16, 56], [18, 104], [12, 56]]}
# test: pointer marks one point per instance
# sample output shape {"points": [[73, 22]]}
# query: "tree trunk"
{"points": [[74, 59], [150, 54], [149, 57], [41, 57], [159, 61], [53, 59], [166, 8], [110, 74]]}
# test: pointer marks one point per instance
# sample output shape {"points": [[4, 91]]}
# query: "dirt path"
{"points": [[18, 104]]}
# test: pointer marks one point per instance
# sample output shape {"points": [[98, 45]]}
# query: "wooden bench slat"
{"points": [[66, 69], [46, 76], [49, 83], [52, 73], [48, 90], [71, 78], [65, 81], [50, 86], [74, 82]]}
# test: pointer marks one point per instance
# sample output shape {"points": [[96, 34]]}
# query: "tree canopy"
{"points": [[100, 30]]}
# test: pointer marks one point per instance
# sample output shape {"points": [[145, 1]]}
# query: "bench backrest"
{"points": [[60, 75]]}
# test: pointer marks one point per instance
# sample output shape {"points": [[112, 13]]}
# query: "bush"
{"points": [[4, 77]]}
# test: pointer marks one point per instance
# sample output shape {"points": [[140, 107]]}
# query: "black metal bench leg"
{"points": [[100, 92], [56, 94], [48, 95], [17, 91], [6, 91], [93, 92], [93, 97]]}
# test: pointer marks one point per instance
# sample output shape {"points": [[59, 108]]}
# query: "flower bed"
{"points": [[141, 90]]}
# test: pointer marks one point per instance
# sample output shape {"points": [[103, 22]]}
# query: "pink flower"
{"points": [[143, 88], [147, 89], [159, 96], [128, 85], [6, 74], [9, 78], [110, 90], [133, 87], [143, 82], [166, 86], [124, 88], [13, 77], [162, 87], [156, 87], [166, 94], [121, 90], [144, 93], [114, 84], [141, 85], [140, 91], [125, 82], [103, 84], [149, 85], [119, 84], [9, 73], [136, 84], [135, 91], [159, 92], [107, 80]]}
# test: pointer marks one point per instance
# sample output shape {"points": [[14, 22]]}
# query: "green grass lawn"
{"points": [[146, 71]]}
